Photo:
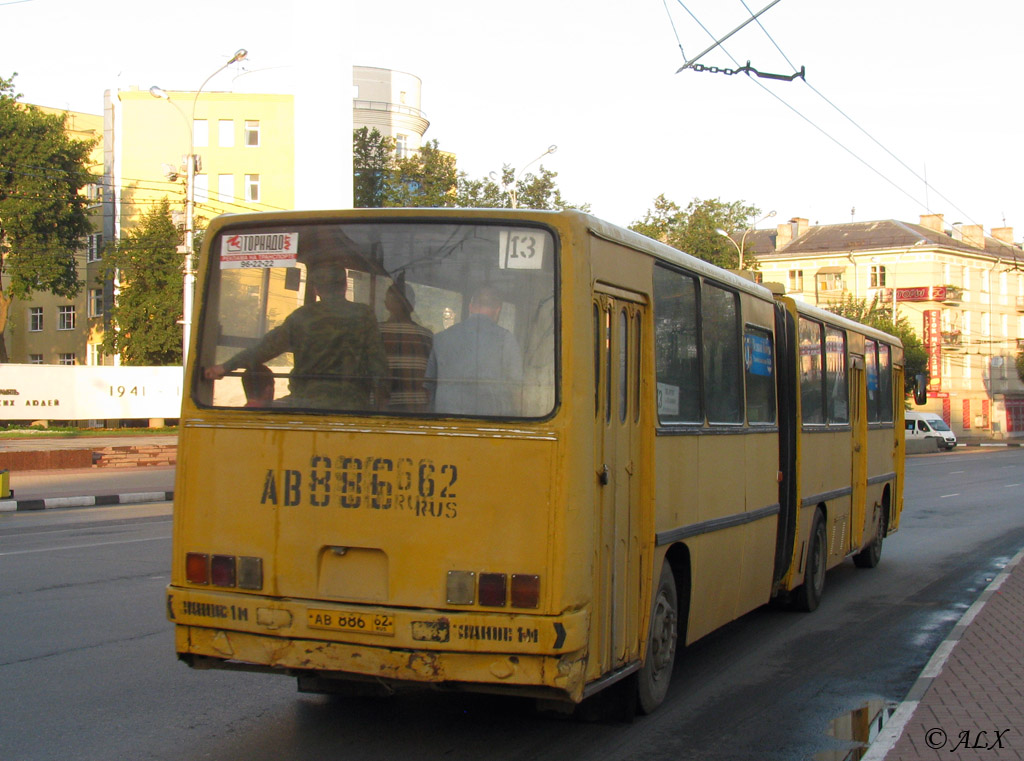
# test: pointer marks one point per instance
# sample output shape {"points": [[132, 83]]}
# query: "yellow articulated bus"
{"points": [[509, 451]]}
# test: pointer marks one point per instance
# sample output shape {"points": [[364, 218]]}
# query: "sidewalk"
{"points": [[64, 472], [969, 700]]}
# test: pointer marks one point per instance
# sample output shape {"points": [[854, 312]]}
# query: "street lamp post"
{"points": [[188, 290], [741, 246], [511, 188]]}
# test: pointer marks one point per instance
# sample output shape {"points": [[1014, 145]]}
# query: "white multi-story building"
{"points": [[389, 101]]}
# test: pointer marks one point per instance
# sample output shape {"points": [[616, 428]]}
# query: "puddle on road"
{"points": [[859, 726]]}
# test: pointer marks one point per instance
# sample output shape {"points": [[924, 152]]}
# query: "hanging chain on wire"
{"points": [[748, 70]]}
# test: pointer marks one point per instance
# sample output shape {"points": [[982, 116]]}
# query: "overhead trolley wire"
{"points": [[807, 119], [855, 124]]}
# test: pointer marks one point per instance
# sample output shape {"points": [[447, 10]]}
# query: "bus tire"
{"points": [[656, 673], [808, 594], [872, 554]]}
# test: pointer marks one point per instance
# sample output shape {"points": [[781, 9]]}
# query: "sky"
{"points": [[907, 108]]}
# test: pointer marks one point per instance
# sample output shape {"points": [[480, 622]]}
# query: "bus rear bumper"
{"points": [[324, 663], [534, 655]]}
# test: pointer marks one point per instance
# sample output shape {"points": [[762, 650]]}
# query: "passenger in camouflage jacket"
{"points": [[339, 356]]}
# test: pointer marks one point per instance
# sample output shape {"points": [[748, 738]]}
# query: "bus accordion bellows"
{"points": [[508, 451]]}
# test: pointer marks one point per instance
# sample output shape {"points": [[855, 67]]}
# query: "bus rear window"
{"points": [[393, 318]]}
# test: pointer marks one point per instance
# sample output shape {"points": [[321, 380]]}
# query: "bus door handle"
{"points": [[602, 475]]}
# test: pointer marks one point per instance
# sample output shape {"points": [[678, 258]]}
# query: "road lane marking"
{"points": [[83, 546], [947, 496]]}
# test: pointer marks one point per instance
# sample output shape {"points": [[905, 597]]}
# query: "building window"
{"points": [[35, 359], [95, 302], [252, 134], [66, 317], [35, 319], [877, 275], [226, 133], [252, 187], [226, 188], [66, 359], [95, 247], [796, 281], [94, 354], [200, 133], [401, 146], [202, 188], [830, 280]]}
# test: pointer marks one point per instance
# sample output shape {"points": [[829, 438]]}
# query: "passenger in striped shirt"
{"points": [[407, 346]]}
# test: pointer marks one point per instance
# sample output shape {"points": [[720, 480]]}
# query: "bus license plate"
{"points": [[347, 621]]}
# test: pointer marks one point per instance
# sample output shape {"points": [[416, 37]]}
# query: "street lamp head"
{"points": [[552, 148], [720, 231], [158, 92], [239, 55]]}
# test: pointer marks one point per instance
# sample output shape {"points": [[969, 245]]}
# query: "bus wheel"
{"points": [[654, 676], [808, 595], [870, 555]]}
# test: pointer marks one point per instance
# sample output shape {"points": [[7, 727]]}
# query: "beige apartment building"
{"points": [[961, 290], [51, 329]]}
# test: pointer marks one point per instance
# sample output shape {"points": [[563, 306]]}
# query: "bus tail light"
{"points": [[493, 589], [224, 570], [250, 573], [525, 591], [461, 587], [197, 568]]}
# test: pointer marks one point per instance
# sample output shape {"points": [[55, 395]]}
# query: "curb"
{"points": [[890, 734], [12, 505]]}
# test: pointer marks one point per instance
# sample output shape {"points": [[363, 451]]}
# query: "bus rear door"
{"points": [[621, 472]]}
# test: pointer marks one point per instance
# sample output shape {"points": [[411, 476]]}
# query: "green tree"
{"points": [[532, 191], [372, 163], [144, 325], [43, 215], [425, 178], [875, 315], [429, 178], [694, 230], [1020, 365]]}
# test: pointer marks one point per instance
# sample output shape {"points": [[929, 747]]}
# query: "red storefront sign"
{"points": [[920, 293], [933, 345]]}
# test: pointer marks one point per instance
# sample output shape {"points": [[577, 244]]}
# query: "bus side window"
{"points": [[812, 396], [676, 354], [873, 381], [722, 355], [759, 359]]}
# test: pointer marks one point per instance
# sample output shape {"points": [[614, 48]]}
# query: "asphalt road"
{"points": [[88, 668]]}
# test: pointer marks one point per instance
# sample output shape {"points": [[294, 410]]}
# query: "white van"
{"points": [[923, 425]]}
